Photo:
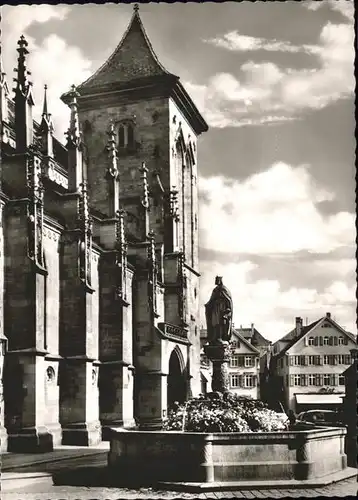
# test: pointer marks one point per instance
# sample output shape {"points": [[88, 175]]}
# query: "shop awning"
{"points": [[319, 399]]}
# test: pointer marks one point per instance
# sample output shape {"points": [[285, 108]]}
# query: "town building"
{"points": [[99, 279], [307, 364]]}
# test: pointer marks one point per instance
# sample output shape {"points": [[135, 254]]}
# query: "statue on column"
{"points": [[218, 312]]}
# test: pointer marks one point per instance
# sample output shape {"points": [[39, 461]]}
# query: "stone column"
{"points": [[220, 356]]}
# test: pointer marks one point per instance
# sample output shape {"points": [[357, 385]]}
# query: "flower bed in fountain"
{"points": [[225, 413], [223, 440]]}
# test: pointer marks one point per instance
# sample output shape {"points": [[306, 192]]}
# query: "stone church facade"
{"points": [[99, 274]]}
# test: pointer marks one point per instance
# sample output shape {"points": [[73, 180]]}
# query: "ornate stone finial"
{"points": [[145, 198], [112, 151], [83, 208], [73, 133], [136, 8], [120, 234], [22, 72], [151, 247], [46, 125], [44, 107]]}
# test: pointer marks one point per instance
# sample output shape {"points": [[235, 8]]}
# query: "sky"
{"points": [[275, 82]]}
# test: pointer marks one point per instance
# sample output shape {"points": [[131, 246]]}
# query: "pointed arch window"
{"points": [[126, 136]]}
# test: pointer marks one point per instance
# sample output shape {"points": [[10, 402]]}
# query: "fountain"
{"points": [[196, 461]]}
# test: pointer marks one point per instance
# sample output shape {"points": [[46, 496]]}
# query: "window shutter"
{"points": [[304, 379], [345, 341], [315, 341], [320, 340], [241, 380], [335, 340], [291, 380], [306, 340], [330, 340], [291, 360], [334, 360]]}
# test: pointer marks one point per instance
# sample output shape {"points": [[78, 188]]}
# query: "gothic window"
{"points": [[126, 136]]}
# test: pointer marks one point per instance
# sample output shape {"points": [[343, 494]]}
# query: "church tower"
{"points": [[134, 106]]}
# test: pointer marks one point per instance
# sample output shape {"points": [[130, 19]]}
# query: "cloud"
{"points": [[235, 41], [344, 7], [52, 62], [263, 92], [270, 212], [272, 217], [270, 307]]}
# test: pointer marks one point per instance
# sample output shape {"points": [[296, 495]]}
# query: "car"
{"points": [[319, 417]]}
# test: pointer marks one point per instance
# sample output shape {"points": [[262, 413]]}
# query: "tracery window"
{"points": [[126, 136]]}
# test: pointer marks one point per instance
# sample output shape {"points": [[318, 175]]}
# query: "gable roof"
{"points": [[240, 337], [292, 339], [203, 336], [254, 336], [132, 59]]}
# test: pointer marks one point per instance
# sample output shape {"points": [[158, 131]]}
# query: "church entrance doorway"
{"points": [[176, 390]]}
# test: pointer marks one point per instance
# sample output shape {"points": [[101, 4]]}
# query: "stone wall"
{"points": [[196, 457]]}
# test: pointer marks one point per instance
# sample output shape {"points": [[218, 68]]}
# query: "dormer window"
{"points": [[126, 139]]}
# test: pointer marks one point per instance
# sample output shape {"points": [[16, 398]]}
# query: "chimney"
{"points": [[328, 315], [252, 328], [298, 326]]}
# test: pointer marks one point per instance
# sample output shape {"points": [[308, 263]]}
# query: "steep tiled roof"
{"points": [[305, 329], [234, 331], [133, 58], [254, 336], [243, 339]]}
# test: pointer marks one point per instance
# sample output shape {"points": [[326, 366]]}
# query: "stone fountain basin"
{"points": [[149, 457]]}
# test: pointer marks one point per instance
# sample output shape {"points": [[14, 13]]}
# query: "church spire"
{"points": [[46, 128], [23, 99], [133, 58], [73, 133], [73, 144]]}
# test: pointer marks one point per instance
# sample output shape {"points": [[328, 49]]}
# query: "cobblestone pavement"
{"points": [[342, 489]]}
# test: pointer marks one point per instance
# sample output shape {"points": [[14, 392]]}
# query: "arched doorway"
{"points": [[176, 389]]}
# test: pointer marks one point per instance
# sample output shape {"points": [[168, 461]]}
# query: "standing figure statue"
{"points": [[218, 312]]}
